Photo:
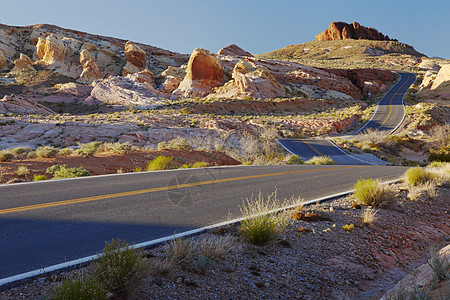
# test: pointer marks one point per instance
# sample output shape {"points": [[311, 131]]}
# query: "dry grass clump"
{"points": [[22, 171], [320, 160], [371, 192], [216, 247], [78, 289], [294, 160], [369, 216], [121, 269], [440, 265], [178, 143], [181, 250], [418, 176], [46, 152], [262, 224]]}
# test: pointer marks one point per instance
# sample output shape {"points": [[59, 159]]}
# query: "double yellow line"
{"points": [[157, 189]]}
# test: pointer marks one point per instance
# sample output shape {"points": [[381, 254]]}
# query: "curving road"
{"points": [[389, 114], [52, 222]]}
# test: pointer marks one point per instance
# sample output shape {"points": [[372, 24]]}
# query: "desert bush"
{"points": [[197, 164], [372, 193], [78, 289], [21, 152], [320, 160], [178, 143], [216, 247], [22, 171], [116, 148], [295, 160], [161, 163], [62, 171], [6, 156], [65, 151], [90, 148], [202, 264], [121, 269], [39, 177], [418, 176], [181, 250], [162, 266], [262, 225], [442, 154], [46, 152], [369, 216]]}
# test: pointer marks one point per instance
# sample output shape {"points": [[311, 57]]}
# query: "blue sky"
{"points": [[257, 26]]}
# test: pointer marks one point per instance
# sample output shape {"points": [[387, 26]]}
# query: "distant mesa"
{"points": [[354, 31], [234, 50]]}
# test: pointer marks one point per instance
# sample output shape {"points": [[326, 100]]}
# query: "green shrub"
{"points": [[65, 151], [320, 160], [45, 152], [442, 154], [372, 193], [261, 225], [121, 269], [202, 264], [178, 143], [79, 289], [418, 176], [39, 177], [117, 148], [62, 171], [90, 148], [295, 160], [197, 164], [21, 152], [161, 163], [6, 156]]}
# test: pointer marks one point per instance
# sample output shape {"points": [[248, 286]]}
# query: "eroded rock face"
{"points": [[3, 62], [136, 59], [250, 80], [204, 72], [23, 63], [50, 50], [342, 31], [234, 50], [19, 105], [91, 71], [173, 76], [442, 79]]}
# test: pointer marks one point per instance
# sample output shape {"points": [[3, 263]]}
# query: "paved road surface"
{"points": [[387, 117], [47, 223]]}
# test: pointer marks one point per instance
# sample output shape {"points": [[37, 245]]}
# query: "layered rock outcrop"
{"points": [[91, 71], [19, 105], [50, 50], [23, 63], [234, 50], [342, 31], [442, 80], [136, 59], [204, 72], [250, 80]]}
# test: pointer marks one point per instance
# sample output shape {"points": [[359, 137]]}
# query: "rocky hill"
{"points": [[345, 45], [342, 31]]}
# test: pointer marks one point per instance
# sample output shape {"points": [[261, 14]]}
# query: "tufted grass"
{"points": [[371, 192]]}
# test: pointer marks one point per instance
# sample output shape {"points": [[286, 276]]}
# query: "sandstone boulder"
{"points": [[91, 71], [19, 105], [442, 80], [204, 72], [50, 50], [3, 62], [117, 90], [250, 80], [234, 50], [144, 76], [342, 30], [172, 78], [23, 63], [136, 59]]}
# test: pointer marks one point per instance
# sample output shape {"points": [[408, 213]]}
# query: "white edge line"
{"points": [[376, 108], [86, 259], [354, 157]]}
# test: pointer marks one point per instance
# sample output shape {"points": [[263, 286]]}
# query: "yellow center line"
{"points": [[390, 103], [315, 150], [158, 189]]}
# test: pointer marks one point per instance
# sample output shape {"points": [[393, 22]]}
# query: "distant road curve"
{"points": [[388, 116]]}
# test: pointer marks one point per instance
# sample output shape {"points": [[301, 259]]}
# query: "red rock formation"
{"points": [[234, 50], [204, 72], [342, 31], [136, 59], [91, 71]]}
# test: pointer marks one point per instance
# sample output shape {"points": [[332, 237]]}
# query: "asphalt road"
{"points": [[51, 222], [388, 116]]}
